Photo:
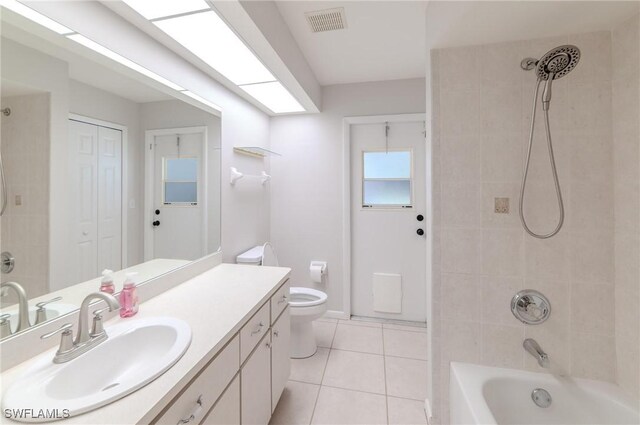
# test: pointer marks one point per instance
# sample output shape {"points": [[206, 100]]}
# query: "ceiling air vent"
{"points": [[327, 20]]}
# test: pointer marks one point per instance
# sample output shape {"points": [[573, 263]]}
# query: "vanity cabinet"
{"points": [[227, 409], [244, 381], [255, 385], [280, 361]]}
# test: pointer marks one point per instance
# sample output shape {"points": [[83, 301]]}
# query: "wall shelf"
{"points": [[255, 151]]}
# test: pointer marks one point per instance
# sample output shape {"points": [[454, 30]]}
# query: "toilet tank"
{"points": [[251, 257]]}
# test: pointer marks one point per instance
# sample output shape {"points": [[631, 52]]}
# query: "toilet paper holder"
{"points": [[317, 269]]}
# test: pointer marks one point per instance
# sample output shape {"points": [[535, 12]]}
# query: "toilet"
{"points": [[306, 304]]}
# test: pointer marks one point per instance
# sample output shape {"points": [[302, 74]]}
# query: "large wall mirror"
{"points": [[102, 171]]}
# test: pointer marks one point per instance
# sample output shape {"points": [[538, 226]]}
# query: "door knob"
{"points": [[156, 223], [420, 232], [420, 217]]}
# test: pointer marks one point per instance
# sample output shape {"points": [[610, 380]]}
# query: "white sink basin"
{"points": [[53, 310], [137, 352]]}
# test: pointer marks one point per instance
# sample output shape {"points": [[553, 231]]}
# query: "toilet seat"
{"points": [[306, 297]]}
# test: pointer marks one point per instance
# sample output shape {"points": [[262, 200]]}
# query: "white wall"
{"points": [[306, 187]]}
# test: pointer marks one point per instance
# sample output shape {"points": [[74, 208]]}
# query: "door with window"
{"points": [[177, 228], [388, 244]]}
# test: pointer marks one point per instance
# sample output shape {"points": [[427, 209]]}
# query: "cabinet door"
{"points": [[227, 408], [256, 385], [280, 361]]}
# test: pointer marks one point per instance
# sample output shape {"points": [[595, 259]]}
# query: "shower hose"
{"points": [[553, 169]]}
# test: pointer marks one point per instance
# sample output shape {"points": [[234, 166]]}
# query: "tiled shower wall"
{"points": [[482, 109], [626, 144], [25, 227]]}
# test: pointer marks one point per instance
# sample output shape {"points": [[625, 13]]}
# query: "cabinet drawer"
{"points": [[279, 301], [206, 388], [253, 331]]}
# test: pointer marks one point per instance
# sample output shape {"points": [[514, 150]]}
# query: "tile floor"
{"points": [[363, 373]]}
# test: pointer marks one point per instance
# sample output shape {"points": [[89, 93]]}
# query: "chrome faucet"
{"points": [[534, 349], [23, 305], [70, 347]]}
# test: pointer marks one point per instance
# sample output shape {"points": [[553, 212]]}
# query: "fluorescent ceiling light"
{"points": [[152, 9], [36, 17], [274, 96], [202, 100], [122, 60], [208, 37]]}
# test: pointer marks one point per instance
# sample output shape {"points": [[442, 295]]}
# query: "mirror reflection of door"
{"points": [[178, 184], [96, 153]]}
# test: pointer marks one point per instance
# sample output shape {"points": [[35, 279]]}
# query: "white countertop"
{"points": [[215, 304]]}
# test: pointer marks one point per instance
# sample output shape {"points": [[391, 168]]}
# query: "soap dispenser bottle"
{"points": [[129, 297], [106, 285]]}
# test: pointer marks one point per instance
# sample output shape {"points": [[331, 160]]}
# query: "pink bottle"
{"points": [[107, 282], [129, 297]]}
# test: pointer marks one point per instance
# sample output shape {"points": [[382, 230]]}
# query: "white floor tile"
{"points": [[355, 371], [358, 338], [311, 369], [337, 406], [406, 378], [412, 345], [296, 404], [406, 412], [324, 332]]}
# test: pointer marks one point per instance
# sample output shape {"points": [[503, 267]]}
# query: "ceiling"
{"points": [[462, 23], [384, 40]]}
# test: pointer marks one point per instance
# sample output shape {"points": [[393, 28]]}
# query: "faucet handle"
{"points": [[66, 342], [97, 328], [4, 318], [44, 303], [63, 329], [5, 325]]}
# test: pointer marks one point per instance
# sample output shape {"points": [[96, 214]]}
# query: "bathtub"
{"points": [[491, 395]]}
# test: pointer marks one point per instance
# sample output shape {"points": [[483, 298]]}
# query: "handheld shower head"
{"points": [[556, 63]]}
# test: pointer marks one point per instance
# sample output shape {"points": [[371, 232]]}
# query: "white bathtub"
{"points": [[491, 395]]}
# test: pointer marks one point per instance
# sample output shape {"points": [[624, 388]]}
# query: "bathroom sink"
{"points": [[137, 352], [53, 310]]}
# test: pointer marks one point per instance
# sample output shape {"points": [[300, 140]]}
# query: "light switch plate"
{"points": [[501, 206]]}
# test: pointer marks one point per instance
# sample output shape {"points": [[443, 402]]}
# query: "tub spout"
{"points": [[534, 349]]}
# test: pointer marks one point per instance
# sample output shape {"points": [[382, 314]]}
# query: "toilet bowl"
{"points": [[305, 304]]}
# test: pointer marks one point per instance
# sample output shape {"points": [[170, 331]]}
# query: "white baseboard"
{"points": [[335, 314]]}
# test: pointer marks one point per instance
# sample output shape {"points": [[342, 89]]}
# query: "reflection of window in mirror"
{"points": [[180, 181]]}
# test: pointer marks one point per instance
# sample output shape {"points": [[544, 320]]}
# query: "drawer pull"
{"points": [[284, 299], [268, 345], [276, 333], [258, 329], [194, 414]]}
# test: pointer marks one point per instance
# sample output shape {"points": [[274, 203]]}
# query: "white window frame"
{"points": [[368, 207]]}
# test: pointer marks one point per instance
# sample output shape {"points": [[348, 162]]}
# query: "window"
{"points": [[386, 179], [180, 181]]}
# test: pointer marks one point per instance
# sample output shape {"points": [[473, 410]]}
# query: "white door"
{"points": [[96, 155], [388, 243], [109, 199], [178, 197]]}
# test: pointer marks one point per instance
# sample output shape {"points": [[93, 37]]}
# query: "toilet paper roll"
{"points": [[315, 272]]}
